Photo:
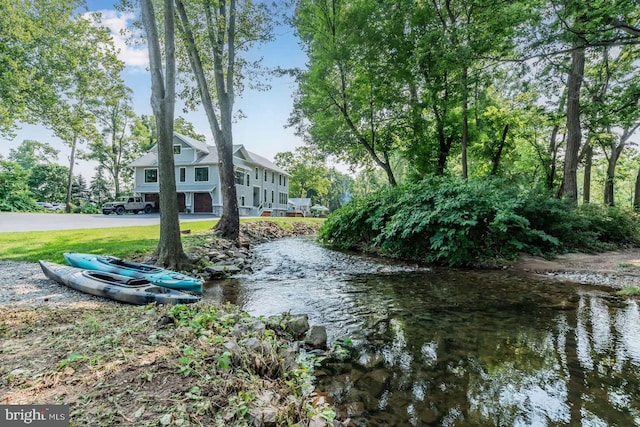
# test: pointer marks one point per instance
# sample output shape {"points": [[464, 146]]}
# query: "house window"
{"points": [[273, 178], [282, 198], [183, 174], [257, 174], [239, 178], [285, 180], [177, 149], [151, 175], [272, 196], [248, 180], [202, 174], [265, 196], [279, 179], [242, 201], [265, 176]]}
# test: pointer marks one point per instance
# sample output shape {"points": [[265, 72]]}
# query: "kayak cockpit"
{"points": [[143, 268], [114, 279]]}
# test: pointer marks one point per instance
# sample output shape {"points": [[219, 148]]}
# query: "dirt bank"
{"points": [[617, 269]]}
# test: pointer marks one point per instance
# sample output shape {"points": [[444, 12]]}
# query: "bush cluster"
{"points": [[462, 223]]}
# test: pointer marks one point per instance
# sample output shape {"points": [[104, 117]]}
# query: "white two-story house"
{"points": [[262, 187]]}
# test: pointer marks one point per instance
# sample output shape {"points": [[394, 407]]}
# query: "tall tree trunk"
{"points": [[72, 162], [115, 162], [616, 150], [553, 152], [586, 185], [465, 121], [443, 142], [386, 165], [496, 158], [169, 251], [116, 180], [608, 183], [574, 133], [636, 193], [229, 224], [553, 147], [443, 153]]}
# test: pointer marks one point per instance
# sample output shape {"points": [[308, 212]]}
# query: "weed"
{"points": [[73, 357], [629, 291], [187, 362], [224, 360]]}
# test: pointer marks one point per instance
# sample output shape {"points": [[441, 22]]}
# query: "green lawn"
{"points": [[123, 242]]}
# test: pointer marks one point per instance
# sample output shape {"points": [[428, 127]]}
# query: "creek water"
{"points": [[451, 347]]}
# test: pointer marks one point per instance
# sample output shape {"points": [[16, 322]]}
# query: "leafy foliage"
{"points": [[14, 192], [48, 182], [355, 225], [459, 223], [311, 177], [31, 153]]}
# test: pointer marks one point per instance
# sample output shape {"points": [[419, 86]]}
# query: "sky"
{"points": [[262, 131]]}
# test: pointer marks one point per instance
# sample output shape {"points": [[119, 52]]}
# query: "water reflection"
{"points": [[455, 348]]}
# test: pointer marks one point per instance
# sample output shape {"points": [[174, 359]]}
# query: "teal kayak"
{"points": [[154, 274], [114, 286]]}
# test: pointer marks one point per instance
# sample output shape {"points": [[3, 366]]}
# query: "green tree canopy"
{"points": [[14, 191], [30, 153], [114, 148], [309, 174], [48, 182]]}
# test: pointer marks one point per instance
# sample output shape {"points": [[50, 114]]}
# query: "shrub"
{"points": [[458, 223], [87, 208], [611, 226], [356, 224]]}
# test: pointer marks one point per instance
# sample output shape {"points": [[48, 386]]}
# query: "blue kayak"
{"points": [[154, 274]]}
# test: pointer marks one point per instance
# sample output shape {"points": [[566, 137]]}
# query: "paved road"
{"points": [[10, 221]]}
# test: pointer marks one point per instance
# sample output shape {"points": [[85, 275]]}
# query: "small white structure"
{"points": [[319, 210], [262, 187], [299, 207]]}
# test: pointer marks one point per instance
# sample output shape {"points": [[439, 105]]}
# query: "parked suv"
{"points": [[132, 204]]}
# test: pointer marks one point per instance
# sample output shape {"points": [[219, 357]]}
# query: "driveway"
{"points": [[11, 221]]}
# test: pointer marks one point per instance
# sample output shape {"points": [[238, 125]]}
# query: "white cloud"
{"points": [[119, 24]]}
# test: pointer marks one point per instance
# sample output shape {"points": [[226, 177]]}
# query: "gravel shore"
{"points": [[24, 285], [612, 280]]}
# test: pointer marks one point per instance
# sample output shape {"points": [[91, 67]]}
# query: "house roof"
{"points": [[257, 159], [208, 155], [149, 159], [200, 146]]}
